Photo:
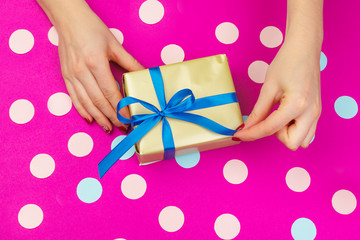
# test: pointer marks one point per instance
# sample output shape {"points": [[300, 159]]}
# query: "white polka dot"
{"points": [[227, 33], [53, 36], [151, 11], [133, 186], [172, 53], [21, 111], [257, 71], [59, 104], [21, 41], [120, 239], [227, 226], [344, 201], [42, 165], [80, 144], [30, 216], [235, 171], [271, 37], [171, 218], [118, 35], [297, 179]]}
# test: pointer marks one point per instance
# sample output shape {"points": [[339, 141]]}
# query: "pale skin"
{"points": [[86, 46]]}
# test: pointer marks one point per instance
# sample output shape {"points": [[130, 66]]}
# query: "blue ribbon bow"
{"points": [[180, 102]]}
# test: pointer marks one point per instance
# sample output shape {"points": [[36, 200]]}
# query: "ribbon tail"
{"points": [[168, 140], [113, 156]]}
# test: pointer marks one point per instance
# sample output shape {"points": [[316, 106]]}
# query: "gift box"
{"points": [[178, 109]]}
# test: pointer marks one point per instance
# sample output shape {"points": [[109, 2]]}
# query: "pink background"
{"points": [[264, 205]]}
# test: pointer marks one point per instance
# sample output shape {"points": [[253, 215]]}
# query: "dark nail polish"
{"points": [[236, 139], [106, 129], [123, 129], [87, 120], [240, 127]]}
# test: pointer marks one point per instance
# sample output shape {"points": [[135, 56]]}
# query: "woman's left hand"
{"points": [[293, 81]]}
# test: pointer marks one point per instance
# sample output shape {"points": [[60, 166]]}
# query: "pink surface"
{"points": [[264, 205]]}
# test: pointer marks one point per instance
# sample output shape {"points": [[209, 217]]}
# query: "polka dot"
{"points": [[297, 179], [346, 107], [151, 11], [323, 61], [126, 155], [80, 144], [42, 165], [133, 186], [89, 190], [171, 218], [118, 85], [303, 229], [172, 54], [245, 117], [30, 216], [21, 41], [118, 35], [227, 33], [21, 111], [235, 171], [271, 37], [344, 202], [257, 71], [188, 160], [53, 36], [59, 104], [227, 226], [312, 139]]}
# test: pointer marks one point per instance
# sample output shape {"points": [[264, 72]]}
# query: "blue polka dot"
{"points": [[89, 190], [126, 155], [323, 61], [312, 139], [303, 229], [188, 160], [245, 117], [117, 84], [346, 107]]}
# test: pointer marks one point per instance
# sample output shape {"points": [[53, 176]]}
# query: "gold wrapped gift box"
{"points": [[205, 77]]}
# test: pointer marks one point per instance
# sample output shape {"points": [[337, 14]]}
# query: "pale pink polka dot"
{"points": [[172, 53], [344, 201], [227, 226], [297, 179], [171, 218], [133, 186], [21, 111], [53, 36], [21, 41], [235, 171], [80, 144], [30, 216], [271, 37], [151, 11], [59, 104], [257, 71], [118, 35], [227, 33], [42, 165]]}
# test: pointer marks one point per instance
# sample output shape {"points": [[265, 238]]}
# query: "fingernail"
{"points": [[236, 139], [240, 127], [123, 129], [87, 120], [106, 129]]}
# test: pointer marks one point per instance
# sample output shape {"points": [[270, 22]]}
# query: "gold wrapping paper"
{"points": [[205, 77]]}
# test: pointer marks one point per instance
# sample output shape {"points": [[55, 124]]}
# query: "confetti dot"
{"points": [[126, 155], [171, 218], [188, 160], [80, 144], [118, 35], [151, 11], [133, 186], [323, 61], [59, 104], [271, 37], [42, 165], [21, 111], [21, 41], [257, 71], [227, 226], [89, 190], [227, 33], [172, 53], [303, 229], [53, 36], [346, 107], [344, 201], [297, 179], [30, 216], [235, 171]]}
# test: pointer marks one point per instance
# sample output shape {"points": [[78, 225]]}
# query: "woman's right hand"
{"points": [[86, 46]]}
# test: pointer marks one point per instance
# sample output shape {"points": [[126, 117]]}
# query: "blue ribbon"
{"points": [[180, 102]]}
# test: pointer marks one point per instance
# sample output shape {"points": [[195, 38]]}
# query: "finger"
{"points": [[86, 102], [119, 55], [309, 136]]}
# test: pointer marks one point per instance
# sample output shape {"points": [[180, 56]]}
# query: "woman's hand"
{"points": [[86, 46], [293, 81]]}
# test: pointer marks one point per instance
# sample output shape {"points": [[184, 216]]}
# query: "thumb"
{"points": [[124, 59]]}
